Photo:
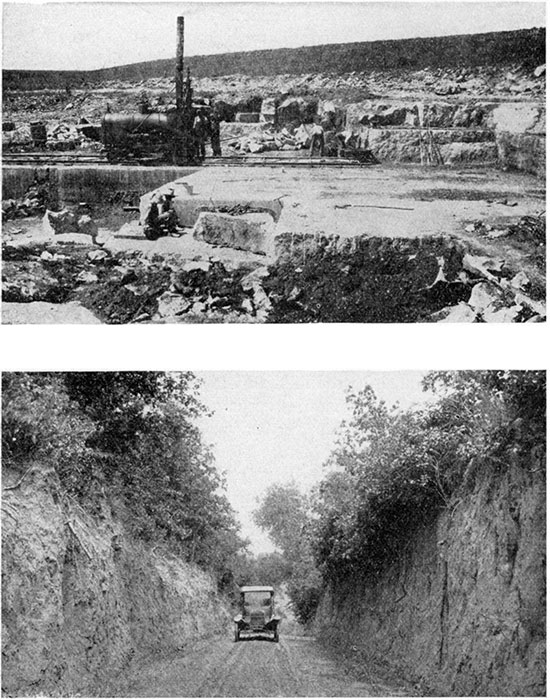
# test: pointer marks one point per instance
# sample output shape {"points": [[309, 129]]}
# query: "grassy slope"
{"points": [[525, 46]]}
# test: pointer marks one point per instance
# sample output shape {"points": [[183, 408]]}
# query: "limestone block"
{"points": [[57, 222], [227, 231], [518, 118], [485, 152], [170, 304], [247, 117]]}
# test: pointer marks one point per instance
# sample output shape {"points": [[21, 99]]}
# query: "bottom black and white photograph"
{"points": [[274, 533]]}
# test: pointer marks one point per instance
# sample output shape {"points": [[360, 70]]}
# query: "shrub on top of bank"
{"points": [[394, 470], [129, 438]]}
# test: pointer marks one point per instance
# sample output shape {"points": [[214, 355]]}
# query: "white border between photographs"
{"points": [[313, 347]]}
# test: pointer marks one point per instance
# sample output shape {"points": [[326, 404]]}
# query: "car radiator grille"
{"points": [[257, 620]]}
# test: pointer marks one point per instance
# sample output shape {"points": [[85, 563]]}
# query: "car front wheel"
{"points": [[237, 633], [276, 635]]}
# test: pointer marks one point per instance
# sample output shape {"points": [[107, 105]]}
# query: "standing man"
{"points": [[200, 132], [215, 133], [143, 103], [317, 134], [347, 140]]}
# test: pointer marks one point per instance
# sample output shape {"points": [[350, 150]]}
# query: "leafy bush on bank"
{"points": [[129, 437], [393, 470]]}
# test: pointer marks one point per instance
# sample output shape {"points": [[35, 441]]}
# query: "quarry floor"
{"points": [[381, 200], [254, 667]]}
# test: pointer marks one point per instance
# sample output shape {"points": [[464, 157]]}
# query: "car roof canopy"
{"points": [[251, 589]]}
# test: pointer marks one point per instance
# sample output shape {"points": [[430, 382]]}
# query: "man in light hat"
{"points": [[161, 219]]}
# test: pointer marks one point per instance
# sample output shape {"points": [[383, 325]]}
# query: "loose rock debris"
{"points": [[33, 202], [347, 280], [125, 288]]}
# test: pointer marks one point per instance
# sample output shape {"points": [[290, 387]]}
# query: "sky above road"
{"points": [[88, 35], [276, 427]]}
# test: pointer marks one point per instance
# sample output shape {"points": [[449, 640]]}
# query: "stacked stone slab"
{"points": [[511, 134]]}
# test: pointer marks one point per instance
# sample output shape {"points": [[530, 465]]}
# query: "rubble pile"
{"points": [[509, 81], [40, 272], [120, 287], [494, 297], [63, 137], [209, 291], [59, 136], [33, 203], [47, 103], [499, 294], [71, 220], [265, 137], [327, 279], [530, 228], [66, 137], [337, 280], [18, 135], [506, 81]]}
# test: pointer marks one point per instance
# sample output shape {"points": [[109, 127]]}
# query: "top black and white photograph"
{"points": [[373, 162]]}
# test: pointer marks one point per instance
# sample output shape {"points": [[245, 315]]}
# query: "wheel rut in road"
{"points": [[254, 667]]}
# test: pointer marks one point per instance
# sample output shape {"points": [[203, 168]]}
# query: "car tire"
{"points": [[276, 635], [237, 633]]}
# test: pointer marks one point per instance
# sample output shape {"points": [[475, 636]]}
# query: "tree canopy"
{"points": [[285, 514], [130, 436], [393, 470]]}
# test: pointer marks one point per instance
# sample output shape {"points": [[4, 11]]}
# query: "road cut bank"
{"points": [[82, 601], [460, 610]]}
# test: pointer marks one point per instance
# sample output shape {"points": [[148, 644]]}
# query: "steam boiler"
{"points": [[155, 137]]}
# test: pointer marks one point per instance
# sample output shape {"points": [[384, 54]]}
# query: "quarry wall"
{"points": [[462, 610], [74, 184], [510, 134], [81, 601]]}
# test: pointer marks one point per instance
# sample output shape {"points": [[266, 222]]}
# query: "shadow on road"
{"points": [[256, 638]]}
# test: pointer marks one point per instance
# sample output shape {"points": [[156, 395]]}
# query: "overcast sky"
{"points": [[89, 35], [275, 427]]}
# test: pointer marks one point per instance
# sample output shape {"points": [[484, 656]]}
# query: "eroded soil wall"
{"points": [[80, 600], [462, 610]]}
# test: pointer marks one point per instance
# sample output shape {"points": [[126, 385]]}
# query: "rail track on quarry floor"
{"points": [[42, 158]]}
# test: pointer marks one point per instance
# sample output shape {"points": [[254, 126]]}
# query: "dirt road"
{"points": [[296, 667]]}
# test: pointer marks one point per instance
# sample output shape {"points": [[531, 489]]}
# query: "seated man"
{"points": [[161, 219]]}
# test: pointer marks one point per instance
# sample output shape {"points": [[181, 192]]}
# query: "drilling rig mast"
{"points": [[183, 150]]}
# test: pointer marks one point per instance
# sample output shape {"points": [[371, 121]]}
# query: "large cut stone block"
{"points": [[241, 233]]}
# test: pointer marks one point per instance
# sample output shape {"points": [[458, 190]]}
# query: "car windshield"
{"points": [[257, 599]]}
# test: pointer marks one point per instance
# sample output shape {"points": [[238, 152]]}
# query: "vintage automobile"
{"points": [[257, 612]]}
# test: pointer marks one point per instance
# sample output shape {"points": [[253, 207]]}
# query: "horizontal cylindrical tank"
{"points": [[115, 124]]}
